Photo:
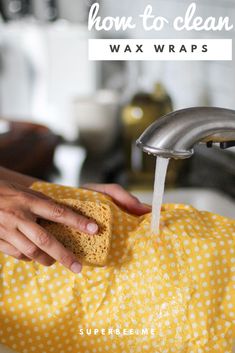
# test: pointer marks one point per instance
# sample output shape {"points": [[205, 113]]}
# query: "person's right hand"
{"points": [[21, 236]]}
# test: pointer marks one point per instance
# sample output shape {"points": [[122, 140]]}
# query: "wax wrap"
{"points": [[179, 284]]}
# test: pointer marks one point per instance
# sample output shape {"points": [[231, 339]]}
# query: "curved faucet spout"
{"points": [[175, 134]]}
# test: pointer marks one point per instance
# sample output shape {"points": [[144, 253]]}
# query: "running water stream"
{"points": [[159, 186]]}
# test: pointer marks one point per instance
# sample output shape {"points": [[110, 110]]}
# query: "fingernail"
{"points": [[76, 267], [137, 200], [92, 228], [143, 206], [147, 205]]}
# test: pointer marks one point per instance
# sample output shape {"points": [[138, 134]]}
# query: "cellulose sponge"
{"points": [[89, 249], [171, 292]]}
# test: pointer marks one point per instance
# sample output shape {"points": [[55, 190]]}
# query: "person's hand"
{"points": [[21, 236], [121, 197]]}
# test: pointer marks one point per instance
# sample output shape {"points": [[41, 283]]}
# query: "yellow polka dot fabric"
{"points": [[172, 292]]}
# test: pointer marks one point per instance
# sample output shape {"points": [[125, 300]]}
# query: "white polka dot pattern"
{"points": [[180, 283]]}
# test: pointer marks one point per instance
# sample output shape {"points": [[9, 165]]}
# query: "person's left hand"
{"points": [[121, 197]]}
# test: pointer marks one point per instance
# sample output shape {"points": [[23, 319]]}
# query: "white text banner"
{"points": [[160, 49]]}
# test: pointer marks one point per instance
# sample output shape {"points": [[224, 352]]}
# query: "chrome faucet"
{"points": [[175, 134]]}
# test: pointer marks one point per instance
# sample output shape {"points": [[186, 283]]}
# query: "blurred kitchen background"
{"points": [[68, 120]]}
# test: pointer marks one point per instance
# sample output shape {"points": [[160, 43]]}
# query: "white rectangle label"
{"points": [[160, 49]]}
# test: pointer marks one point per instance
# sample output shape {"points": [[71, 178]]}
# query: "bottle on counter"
{"points": [[143, 109]]}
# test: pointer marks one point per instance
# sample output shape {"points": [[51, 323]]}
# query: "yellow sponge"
{"points": [[89, 249]]}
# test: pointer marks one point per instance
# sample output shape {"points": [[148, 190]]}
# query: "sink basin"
{"points": [[202, 199]]}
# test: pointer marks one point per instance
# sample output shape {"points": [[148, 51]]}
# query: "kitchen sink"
{"points": [[202, 199]]}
